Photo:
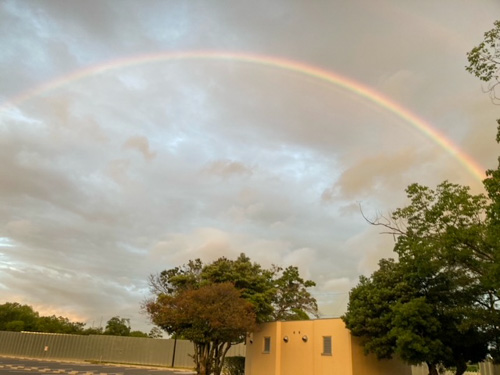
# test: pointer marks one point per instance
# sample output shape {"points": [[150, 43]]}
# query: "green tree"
{"points": [[444, 260], [491, 272], [117, 326], [92, 331], [272, 293], [155, 333], [447, 242], [17, 317], [254, 282], [213, 317], [185, 277], [369, 312], [15, 325], [54, 324], [484, 61], [406, 309], [458, 230], [138, 334], [292, 300], [275, 293]]}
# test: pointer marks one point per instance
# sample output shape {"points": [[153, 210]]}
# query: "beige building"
{"points": [[312, 347]]}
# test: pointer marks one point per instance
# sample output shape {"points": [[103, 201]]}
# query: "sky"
{"points": [[137, 135]]}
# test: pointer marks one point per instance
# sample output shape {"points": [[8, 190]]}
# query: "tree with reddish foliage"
{"points": [[271, 294], [276, 293], [213, 317]]}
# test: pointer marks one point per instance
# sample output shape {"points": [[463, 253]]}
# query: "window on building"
{"points": [[327, 345], [267, 344]]}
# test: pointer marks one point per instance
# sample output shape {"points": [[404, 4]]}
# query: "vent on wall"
{"points": [[267, 344], [327, 345]]}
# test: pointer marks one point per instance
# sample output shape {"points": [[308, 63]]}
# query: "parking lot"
{"points": [[21, 366]]}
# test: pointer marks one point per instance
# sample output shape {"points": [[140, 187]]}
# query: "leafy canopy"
{"points": [[17, 317], [276, 293], [117, 326], [213, 317], [427, 306], [484, 60], [444, 304], [216, 304]]}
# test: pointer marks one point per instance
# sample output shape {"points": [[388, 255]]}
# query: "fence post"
{"points": [[173, 353]]}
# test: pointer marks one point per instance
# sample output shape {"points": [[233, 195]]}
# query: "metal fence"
{"points": [[118, 349], [485, 368]]}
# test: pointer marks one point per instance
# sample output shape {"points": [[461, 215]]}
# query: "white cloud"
{"points": [[108, 177]]}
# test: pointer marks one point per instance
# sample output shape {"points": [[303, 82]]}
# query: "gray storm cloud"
{"points": [[113, 175]]}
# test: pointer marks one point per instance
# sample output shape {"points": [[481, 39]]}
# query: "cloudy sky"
{"points": [[136, 135]]}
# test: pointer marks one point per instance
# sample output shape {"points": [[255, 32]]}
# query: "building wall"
{"points": [[297, 348], [339, 362], [369, 364], [267, 363]]}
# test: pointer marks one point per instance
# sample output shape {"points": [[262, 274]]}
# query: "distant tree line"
{"points": [[17, 317]]}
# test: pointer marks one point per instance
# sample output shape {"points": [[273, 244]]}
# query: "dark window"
{"points": [[267, 344], [327, 345]]}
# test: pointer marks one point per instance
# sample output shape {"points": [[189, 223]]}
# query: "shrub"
{"points": [[234, 365]]}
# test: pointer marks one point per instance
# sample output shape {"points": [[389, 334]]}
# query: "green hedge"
{"points": [[234, 366]]}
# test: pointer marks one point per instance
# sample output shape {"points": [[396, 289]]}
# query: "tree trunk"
{"points": [[461, 368], [432, 369], [220, 354], [209, 357], [202, 358], [206, 360], [202, 370], [196, 357]]}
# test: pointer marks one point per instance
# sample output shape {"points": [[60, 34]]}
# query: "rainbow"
{"points": [[275, 62]]}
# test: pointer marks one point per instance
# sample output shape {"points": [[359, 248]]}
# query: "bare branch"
{"points": [[393, 227]]}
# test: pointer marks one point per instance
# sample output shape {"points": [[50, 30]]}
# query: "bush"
{"points": [[473, 368], [234, 366]]}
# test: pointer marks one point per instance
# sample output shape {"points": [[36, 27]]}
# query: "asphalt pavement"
{"points": [[24, 366]]}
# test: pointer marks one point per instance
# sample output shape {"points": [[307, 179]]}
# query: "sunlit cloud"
{"points": [[117, 164]]}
